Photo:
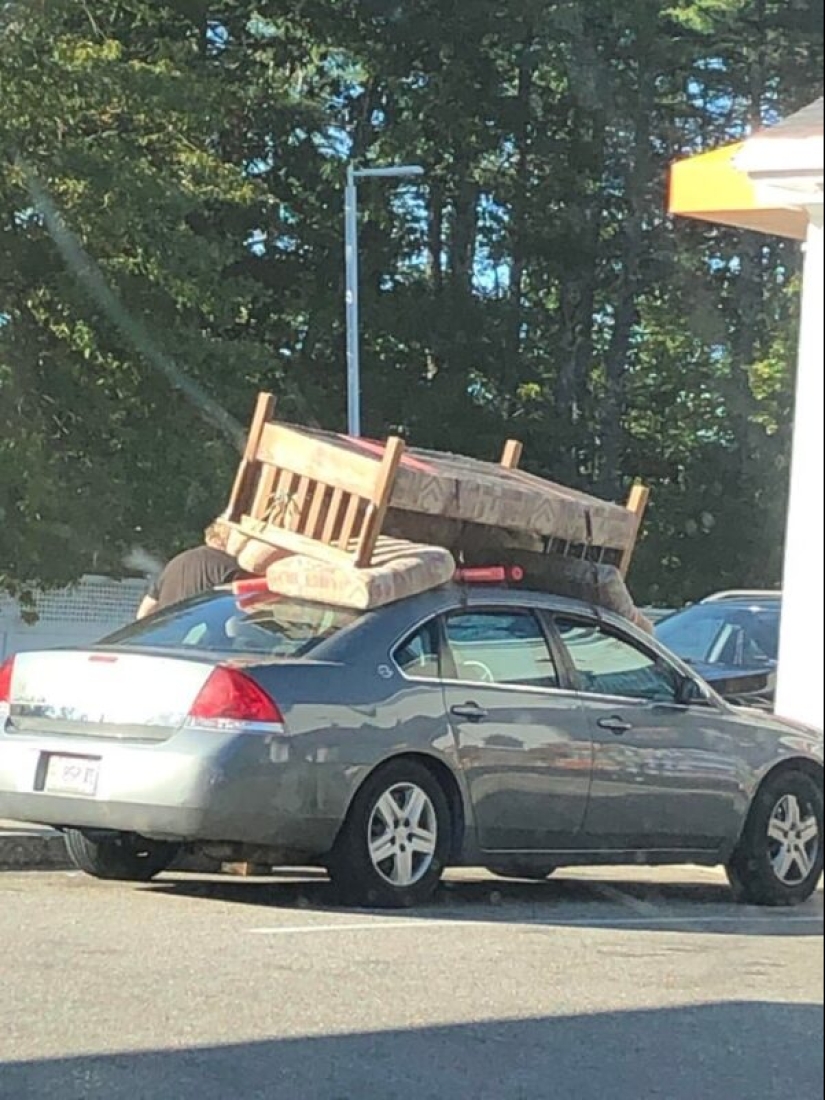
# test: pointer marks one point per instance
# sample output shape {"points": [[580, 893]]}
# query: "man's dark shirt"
{"points": [[193, 573]]}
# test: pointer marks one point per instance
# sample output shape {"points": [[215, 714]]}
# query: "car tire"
{"points": [[779, 860], [532, 874], [125, 858], [396, 840]]}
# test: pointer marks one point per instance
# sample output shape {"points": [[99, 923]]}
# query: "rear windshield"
{"points": [[269, 625]]}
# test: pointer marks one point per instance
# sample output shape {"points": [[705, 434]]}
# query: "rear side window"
{"points": [[418, 656], [268, 625]]}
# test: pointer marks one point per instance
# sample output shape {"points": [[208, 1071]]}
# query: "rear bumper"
{"points": [[197, 786], [157, 822]]}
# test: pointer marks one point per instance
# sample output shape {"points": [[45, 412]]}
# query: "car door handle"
{"points": [[470, 712], [615, 725]]}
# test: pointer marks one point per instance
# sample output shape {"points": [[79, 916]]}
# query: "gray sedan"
{"points": [[471, 725]]}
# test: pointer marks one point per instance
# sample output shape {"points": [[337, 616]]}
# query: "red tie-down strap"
{"points": [[373, 447], [249, 591], [490, 574]]}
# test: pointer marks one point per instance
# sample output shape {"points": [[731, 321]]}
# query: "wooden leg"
{"points": [[513, 452], [246, 870], [242, 489], [637, 504], [380, 502]]}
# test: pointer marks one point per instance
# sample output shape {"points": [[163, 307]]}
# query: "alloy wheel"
{"points": [[793, 840], [403, 835]]}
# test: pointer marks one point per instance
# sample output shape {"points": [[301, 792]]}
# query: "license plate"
{"points": [[72, 775]]}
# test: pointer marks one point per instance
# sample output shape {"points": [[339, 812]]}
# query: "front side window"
{"points": [[501, 647], [607, 664], [693, 635]]}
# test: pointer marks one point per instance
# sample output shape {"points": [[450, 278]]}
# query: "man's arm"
{"points": [[149, 604], [147, 607]]}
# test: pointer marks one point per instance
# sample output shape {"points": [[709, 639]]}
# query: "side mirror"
{"points": [[746, 688], [689, 693]]}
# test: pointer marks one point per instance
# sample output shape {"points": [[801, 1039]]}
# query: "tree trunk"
{"points": [[577, 299], [464, 233], [436, 236], [749, 287], [620, 349], [524, 135], [363, 128], [617, 360]]}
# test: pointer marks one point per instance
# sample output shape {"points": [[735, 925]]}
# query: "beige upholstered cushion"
{"points": [[256, 557], [236, 541], [253, 555], [400, 570]]}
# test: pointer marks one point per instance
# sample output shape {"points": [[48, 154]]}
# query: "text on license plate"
{"points": [[72, 775]]}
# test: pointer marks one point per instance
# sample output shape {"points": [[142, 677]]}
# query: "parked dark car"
{"points": [[468, 725], [732, 641]]}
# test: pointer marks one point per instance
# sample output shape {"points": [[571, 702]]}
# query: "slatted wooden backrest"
{"points": [[308, 495]]}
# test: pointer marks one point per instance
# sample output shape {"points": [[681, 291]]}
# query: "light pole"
{"points": [[351, 235]]}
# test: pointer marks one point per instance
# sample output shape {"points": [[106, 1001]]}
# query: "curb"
{"points": [[32, 851]]}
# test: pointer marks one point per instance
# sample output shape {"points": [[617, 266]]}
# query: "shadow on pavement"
{"points": [[713, 1052], [705, 908]]}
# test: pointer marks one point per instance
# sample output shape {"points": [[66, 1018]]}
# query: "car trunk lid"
{"points": [[104, 694]]}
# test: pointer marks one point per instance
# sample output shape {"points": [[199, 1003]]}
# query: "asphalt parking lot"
{"points": [[628, 986]]}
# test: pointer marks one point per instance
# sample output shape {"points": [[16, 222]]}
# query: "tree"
{"points": [[113, 120], [194, 153]]}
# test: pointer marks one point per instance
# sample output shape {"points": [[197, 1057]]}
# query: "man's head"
{"points": [[216, 535]]}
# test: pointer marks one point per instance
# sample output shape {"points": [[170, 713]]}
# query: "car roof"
{"points": [[456, 595], [740, 602], [471, 594], [744, 598]]}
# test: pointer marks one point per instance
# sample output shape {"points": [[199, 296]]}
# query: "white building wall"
{"points": [[800, 680]]}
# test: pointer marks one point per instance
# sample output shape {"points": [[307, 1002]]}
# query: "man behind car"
{"points": [[193, 572]]}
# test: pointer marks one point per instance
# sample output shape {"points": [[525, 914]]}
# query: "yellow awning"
{"points": [[711, 188]]}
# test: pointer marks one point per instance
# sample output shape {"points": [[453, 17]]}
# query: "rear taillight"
{"points": [[229, 698], [6, 674]]}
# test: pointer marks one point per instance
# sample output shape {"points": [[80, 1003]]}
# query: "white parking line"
{"points": [[372, 926], [628, 922]]}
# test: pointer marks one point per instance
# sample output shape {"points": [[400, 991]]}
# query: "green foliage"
{"points": [[118, 122], [193, 154]]}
